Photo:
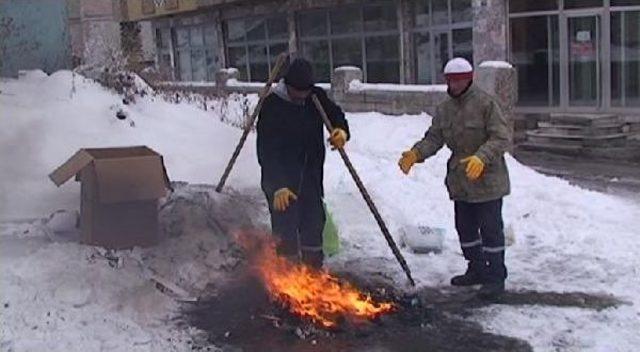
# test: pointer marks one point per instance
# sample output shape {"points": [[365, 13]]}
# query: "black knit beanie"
{"points": [[299, 74]]}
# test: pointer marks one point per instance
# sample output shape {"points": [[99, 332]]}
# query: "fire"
{"points": [[308, 292]]}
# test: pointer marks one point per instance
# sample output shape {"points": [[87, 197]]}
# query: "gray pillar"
{"points": [[489, 30], [293, 39], [501, 81], [217, 18], [340, 80]]}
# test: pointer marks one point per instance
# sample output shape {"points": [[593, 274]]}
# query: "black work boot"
{"points": [[313, 259], [473, 276], [491, 291], [288, 251]]}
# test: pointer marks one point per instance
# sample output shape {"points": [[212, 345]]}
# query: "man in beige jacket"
{"points": [[472, 125]]}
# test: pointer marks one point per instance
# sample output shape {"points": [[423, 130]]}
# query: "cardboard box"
{"points": [[120, 188]]}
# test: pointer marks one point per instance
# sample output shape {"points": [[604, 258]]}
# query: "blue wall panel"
{"points": [[34, 34]]}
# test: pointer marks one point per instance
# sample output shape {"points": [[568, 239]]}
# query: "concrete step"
{"points": [[570, 150], [627, 153], [584, 119], [607, 140], [579, 130]]}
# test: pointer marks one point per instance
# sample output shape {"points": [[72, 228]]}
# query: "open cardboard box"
{"points": [[120, 188]]}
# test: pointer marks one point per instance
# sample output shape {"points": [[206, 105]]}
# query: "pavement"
{"points": [[616, 177]]}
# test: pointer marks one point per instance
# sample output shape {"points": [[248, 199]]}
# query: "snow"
{"points": [[187, 84], [46, 123], [233, 82], [63, 296], [496, 64], [230, 70], [357, 86], [348, 68]]}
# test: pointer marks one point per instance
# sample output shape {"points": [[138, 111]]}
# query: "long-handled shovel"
{"points": [[365, 195], [275, 72]]}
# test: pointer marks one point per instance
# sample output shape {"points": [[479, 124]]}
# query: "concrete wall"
{"points": [[33, 34], [395, 99], [352, 95]]}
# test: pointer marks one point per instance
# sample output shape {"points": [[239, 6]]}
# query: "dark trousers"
{"points": [[481, 233], [300, 227]]}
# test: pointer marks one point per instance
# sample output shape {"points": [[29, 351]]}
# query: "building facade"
{"points": [[33, 35], [570, 55]]}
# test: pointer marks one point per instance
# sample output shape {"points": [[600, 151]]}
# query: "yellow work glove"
{"points": [[338, 138], [475, 166], [282, 199], [407, 160]]}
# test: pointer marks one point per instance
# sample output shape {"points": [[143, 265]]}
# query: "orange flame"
{"points": [[305, 291]]}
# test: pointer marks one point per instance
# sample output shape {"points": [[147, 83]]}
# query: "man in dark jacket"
{"points": [[291, 154]]}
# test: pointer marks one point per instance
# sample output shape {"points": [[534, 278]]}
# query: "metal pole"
{"points": [[275, 71], [365, 195]]}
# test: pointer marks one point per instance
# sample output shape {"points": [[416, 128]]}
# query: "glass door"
{"points": [[440, 54], [584, 66]]}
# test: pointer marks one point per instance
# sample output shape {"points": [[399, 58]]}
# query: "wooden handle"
{"points": [[365, 195]]}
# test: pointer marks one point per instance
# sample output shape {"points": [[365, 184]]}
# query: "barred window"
{"points": [[252, 44]]}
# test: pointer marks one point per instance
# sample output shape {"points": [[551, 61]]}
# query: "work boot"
{"points": [[491, 291], [288, 251], [473, 276], [313, 259]]}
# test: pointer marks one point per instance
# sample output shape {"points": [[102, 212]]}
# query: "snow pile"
{"points": [[53, 287], [65, 297], [496, 64], [44, 122], [357, 86]]}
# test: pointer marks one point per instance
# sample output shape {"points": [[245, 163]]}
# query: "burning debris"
{"points": [[312, 294]]}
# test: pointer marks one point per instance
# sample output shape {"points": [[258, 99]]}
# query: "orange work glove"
{"points": [[407, 160], [475, 167], [282, 199], [338, 138]]}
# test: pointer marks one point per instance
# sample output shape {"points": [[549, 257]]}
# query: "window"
{"points": [[313, 24], [188, 49], [364, 35], [380, 17], [625, 59], [443, 29], [461, 11], [576, 4], [254, 43], [318, 53], [528, 5], [624, 2], [422, 47], [382, 59], [164, 49], [535, 54], [463, 43], [195, 51], [345, 20]]}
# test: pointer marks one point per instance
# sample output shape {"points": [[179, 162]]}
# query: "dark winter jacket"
{"points": [[291, 142]]}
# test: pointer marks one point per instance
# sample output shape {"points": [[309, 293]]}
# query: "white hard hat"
{"points": [[457, 65]]}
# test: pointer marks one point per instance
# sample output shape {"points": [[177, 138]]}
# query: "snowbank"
{"points": [[496, 64], [357, 86], [46, 119]]}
